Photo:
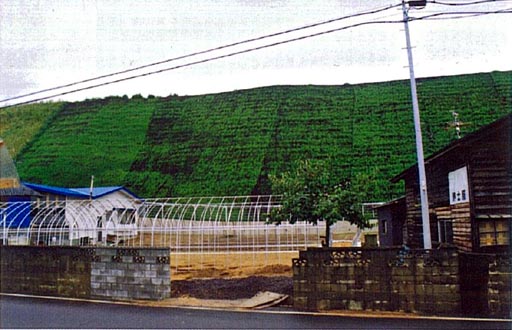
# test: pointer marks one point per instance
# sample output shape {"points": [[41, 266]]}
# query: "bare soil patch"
{"points": [[236, 288], [193, 266], [231, 275]]}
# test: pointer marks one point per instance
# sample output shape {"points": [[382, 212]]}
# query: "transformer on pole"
{"points": [[427, 243]]}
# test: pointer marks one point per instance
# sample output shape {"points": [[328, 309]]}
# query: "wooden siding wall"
{"points": [[413, 230], [488, 160], [460, 215], [491, 183]]}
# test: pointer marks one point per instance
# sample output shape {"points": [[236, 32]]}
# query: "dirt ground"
{"points": [[234, 274], [231, 275], [234, 288], [191, 266]]}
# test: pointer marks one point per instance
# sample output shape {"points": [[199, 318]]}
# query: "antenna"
{"points": [[457, 124], [91, 187]]}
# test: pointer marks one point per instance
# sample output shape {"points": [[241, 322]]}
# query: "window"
{"points": [[445, 230], [494, 232], [384, 227]]}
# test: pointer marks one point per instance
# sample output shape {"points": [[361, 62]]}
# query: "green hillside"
{"points": [[94, 137], [228, 143], [18, 125]]}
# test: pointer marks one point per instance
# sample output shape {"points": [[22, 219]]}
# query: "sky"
{"points": [[49, 43]]}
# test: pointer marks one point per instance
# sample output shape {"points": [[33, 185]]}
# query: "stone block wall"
{"points": [[377, 279], [86, 272]]}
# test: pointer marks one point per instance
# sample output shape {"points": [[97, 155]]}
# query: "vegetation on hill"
{"points": [[19, 125], [229, 143], [98, 137]]}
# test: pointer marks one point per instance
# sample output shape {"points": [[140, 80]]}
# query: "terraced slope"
{"points": [[228, 143]]}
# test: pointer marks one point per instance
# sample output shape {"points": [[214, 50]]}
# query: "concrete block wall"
{"points": [[128, 273], [52, 271], [86, 272], [486, 284], [377, 279], [500, 287], [426, 281]]}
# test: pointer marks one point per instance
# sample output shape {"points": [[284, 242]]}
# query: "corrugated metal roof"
{"points": [[78, 192]]}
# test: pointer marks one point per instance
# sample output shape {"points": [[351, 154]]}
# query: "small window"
{"points": [[384, 227], [445, 230]]}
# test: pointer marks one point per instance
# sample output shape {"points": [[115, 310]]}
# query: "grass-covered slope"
{"points": [[18, 125], [205, 145], [94, 137], [228, 143]]}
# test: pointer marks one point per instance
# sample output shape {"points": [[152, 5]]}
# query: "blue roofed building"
{"points": [[91, 215], [41, 214]]}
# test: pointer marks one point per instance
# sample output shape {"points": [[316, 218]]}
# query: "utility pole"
{"points": [[427, 243]]}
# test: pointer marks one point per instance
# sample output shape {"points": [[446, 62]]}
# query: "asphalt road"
{"points": [[23, 312]]}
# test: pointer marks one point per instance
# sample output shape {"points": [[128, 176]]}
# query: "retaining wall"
{"points": [[86, 272], [393, 279]]}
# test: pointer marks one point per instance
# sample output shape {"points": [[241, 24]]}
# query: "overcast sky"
{"points": [[49, 43]]}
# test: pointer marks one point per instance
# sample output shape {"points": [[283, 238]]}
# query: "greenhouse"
{"points": [[183, 224]]}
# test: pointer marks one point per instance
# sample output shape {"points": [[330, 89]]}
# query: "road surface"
{"points": [[25, 312]]}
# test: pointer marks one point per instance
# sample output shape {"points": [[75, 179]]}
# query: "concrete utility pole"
{"points": [[427, 243]]}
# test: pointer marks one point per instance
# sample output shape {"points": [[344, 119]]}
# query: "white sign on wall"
{"points": [[458, 184]]}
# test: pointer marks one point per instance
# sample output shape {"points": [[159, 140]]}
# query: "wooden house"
{"points": [[391, 217], [469, 186]]}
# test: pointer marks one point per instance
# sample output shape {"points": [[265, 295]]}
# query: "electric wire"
{"points": [[201, 61], [459, 14], [364, 13], [479, 2], [425, 17]]}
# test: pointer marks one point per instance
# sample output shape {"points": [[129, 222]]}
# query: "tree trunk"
{"points": [[327, 235]]}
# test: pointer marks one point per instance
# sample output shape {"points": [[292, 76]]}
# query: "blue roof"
{"points": [[77, 192]]}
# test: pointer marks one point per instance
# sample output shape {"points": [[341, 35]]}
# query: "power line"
{"points": [[479, 2], [426, 17], [368, 12], [201, 61], [465, 14]]}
